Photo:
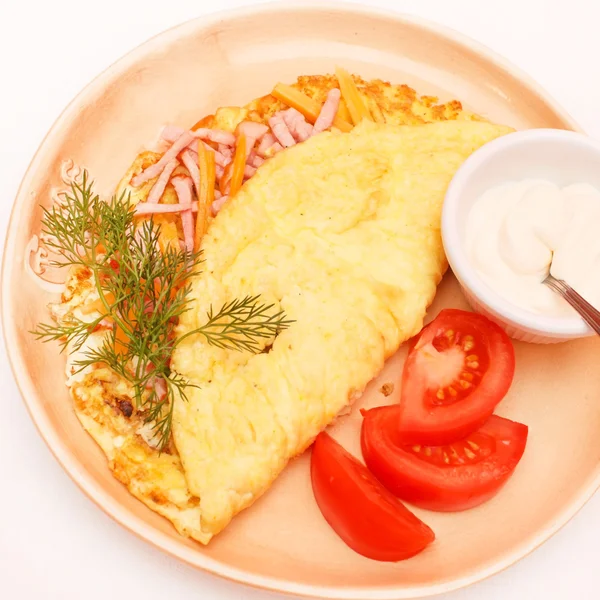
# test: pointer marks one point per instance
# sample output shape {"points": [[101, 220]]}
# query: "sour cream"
{"points": [[518, 232]]}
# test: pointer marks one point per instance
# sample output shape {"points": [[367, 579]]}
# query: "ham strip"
{"points": [[171, 133], [158, 189], [217, 205], [249, 171], [274, 149], [252, 129], [253, 132], [254, 160], [191, 164], [296, 123], [215, 135], [265, 143], [220, 160], [328, 111], [257, 161], [226, 151], [160, 387], [281, 131], [156, 169], [146, 208], [183, 187]]}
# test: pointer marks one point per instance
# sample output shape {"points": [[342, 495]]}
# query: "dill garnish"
{"points": [[143, 290]]}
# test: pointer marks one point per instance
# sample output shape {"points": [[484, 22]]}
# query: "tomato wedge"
{"points": [[460, 367], [454, 477], [368, 518]]}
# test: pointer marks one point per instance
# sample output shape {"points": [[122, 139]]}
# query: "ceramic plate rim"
{"points": [[86, 483]]}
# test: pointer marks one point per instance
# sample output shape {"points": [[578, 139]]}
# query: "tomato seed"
{"points": [[469, 454]]}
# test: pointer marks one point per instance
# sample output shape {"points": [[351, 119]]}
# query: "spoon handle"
{"points": [[587, 312]]}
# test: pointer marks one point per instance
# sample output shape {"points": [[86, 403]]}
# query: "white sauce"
{"points": [[518, 232]]}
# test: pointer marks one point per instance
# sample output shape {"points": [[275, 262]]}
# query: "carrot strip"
{"points": [[206, 196], [239, 163], [343, 112], [97, 305], [307, 106], [168, 236], [351, 95], [122, 339], [225, 179]]}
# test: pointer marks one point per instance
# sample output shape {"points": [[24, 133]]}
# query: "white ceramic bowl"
{"points": [[563, 157]]}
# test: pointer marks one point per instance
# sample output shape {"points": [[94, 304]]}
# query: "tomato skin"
{"points": [[368, 518], [422, 421], [446, 488]]}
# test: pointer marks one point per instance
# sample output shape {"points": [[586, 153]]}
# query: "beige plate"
{"points": [[283, 543]]}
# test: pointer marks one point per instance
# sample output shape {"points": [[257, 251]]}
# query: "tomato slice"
{"points": [[454, 477], [460, 366], [368, 518]]}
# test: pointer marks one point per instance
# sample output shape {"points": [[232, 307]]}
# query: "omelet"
{"points": [[275, 405], [342, 232]]}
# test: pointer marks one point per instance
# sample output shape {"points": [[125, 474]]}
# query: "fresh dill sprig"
{"points": [[143, 291]]}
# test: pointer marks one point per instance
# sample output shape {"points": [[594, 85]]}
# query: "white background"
{"points": [[54, 543]]}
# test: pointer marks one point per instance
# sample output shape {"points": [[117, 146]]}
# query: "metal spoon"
{"points": [[587, 312]]}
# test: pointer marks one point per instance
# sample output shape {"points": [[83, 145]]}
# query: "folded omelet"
{"points": [[104, 402], [342, 232]]}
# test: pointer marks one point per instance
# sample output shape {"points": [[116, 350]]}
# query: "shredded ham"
{"points": [[171, 133], [286, 128], [226, 151], [297, 124], [191, 164], [257, 161], [253, 132], [252, 129], [220, 159], [215, 135], [106, 322], [146, 208], [254, 160], [158, 189], [160, 387], [281, 131], [183, 187], [156, 169], [265, 143], [274, 149], [328, 111], [217, 205]]}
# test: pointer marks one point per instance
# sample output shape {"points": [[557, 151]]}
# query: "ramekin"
{"points": [[562, 157]]}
